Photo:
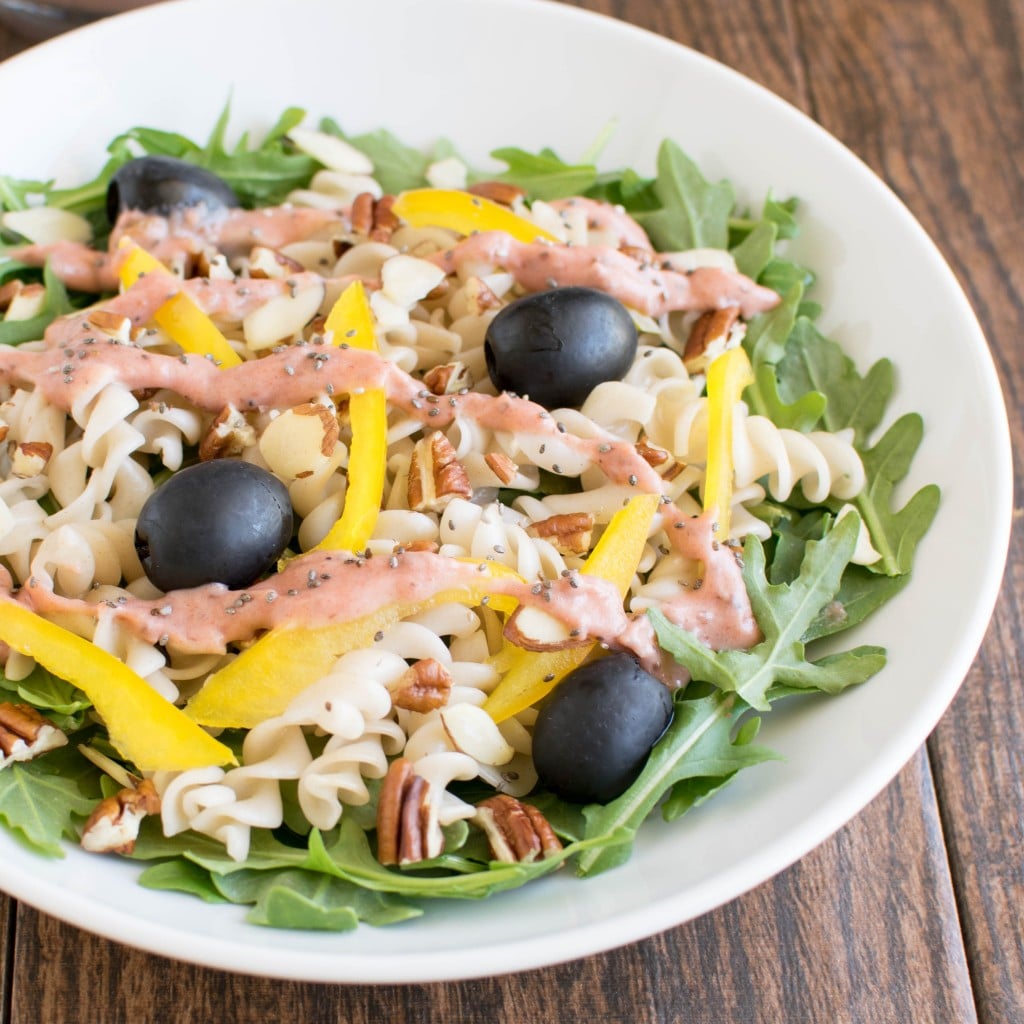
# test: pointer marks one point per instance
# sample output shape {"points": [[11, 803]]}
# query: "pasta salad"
{"points": [[375, 529]]}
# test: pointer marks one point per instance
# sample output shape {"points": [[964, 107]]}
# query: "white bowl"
{"points": [[486, 74]]}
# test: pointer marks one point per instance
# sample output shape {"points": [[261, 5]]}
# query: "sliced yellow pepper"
{"points": [[728, 375], [465, 213], [145, 728], [531, 675], [262, 681], [179, 316], [351, 323]]}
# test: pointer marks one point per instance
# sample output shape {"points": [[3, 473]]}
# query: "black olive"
{"points": [[224, 521], [161, 184], [557, 346], [593, 735]]}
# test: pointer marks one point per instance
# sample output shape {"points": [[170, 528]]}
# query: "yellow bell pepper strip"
{"points": [[465, 213], [533, 675], [728, 375], [351, 323], [179, 316], [263, 680], [145, 728]]}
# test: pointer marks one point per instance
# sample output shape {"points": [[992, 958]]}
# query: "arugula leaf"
{"points": [[42, 800], [309, 900], [15, 332], [765, 342], [349, 857], [813, 362], [61, 702], [895, 534], [860, 594], [784, 612], [544, 175], [696, 746], [180, 875], [694, 213], [756, 251], [858, 403]]}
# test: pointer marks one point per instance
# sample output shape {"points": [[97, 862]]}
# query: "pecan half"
{"points": [[435, 475], [25, 733], [425, 685], [517, 832], [709, 337], [497, 191], [114, 823], [361, 213], [447, 379], [406, 830], [228, 436], [569, 533]]}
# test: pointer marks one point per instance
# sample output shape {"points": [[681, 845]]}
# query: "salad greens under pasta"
{"points": [[297, 826]]}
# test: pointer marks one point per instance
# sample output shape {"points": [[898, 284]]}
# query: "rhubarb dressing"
{"points": [[321, 588], [604, 217], [183, 233], [644, 286], [318, 588]]}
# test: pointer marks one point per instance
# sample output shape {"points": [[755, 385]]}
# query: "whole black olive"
{"points": [[557, 346], [161, 184], [593, 735], [224, 521]]}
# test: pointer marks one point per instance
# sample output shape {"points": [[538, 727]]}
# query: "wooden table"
{"points": [[912, 913]]}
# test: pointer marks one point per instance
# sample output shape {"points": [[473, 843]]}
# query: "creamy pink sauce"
{"points": [[318, 588], [605, 217], [642, 285], [187, 232]]}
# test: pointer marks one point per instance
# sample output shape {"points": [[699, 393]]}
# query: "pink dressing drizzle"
{"points": [[79, 361]]}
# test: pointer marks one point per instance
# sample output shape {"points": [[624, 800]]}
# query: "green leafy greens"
{"points": [[801, 582]]}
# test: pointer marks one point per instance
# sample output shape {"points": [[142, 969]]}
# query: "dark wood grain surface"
{"points": [[912, 912]]}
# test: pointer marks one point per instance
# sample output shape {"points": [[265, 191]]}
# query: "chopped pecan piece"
{"points": [[267, 263], [435, 475], [424, 686], [114, 325], [29, 458], [28, 301], [501, 466], [654, 455], [25, 733], [709, 337], [384, 220], [228, 436], [569, 533], [430, 546], [480, 297], [447, 379], [497, 191], [406, 830], [642, 256], [114, 824], [517, 832], [8, 292]]}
